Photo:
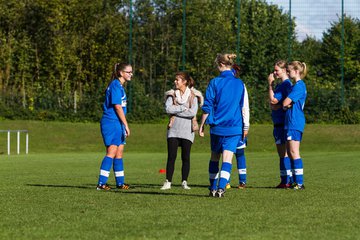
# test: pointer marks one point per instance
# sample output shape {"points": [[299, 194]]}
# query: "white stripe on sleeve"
{"points": [[246, 110]]}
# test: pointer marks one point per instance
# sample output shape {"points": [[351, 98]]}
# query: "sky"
{"points": [[313, 17]]}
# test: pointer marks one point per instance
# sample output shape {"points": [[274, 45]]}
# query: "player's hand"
{"points": [[201, 131], [245, 133], [271, 78], [127, 131]]}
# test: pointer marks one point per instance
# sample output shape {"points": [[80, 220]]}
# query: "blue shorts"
{"points": [[279, 134], [242, 143], [293, 135], [112, 132], [222, 143]]}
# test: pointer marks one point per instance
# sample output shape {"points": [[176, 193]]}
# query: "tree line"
{"points": [[57, 56]]}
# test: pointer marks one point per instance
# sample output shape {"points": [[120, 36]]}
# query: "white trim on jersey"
{"points": [[246, 110]]}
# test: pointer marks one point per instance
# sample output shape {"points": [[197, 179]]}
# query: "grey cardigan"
{"points": [[181, 127]]}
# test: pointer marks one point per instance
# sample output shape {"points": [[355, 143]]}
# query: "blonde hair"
{"points": [[281, 64], [227, 59], [300, 66]]}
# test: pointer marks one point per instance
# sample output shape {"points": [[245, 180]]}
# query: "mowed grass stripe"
{"points": [[58, 137]]}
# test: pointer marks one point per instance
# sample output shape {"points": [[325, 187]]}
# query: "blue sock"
{"points": [[213, 174], [283, 172], [298, 168], [287, 165], [119, 171], [241, 165], [224, 174], [105, 170]]}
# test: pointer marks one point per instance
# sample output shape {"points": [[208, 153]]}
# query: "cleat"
{"points": [[284, 185], [242, 185], [212, 193], [166, 186], [104, 187], [298, 186], [184, 185], [220, 193], [228, 186], [123, 186]]}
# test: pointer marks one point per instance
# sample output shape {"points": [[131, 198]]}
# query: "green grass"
{"points": [[51, 194]]}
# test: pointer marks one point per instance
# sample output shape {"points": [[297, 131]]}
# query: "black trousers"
{"points": [[173, 144]]}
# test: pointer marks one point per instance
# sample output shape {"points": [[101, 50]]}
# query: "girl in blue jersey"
{"points": [[114, 127], [276, 97], [295, 120], [240, 149], [222, 111]]}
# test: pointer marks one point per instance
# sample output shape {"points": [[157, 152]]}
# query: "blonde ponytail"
{"points": [[299, 66]]}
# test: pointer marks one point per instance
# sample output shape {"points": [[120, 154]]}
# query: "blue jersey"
{"points": [[115, 94], [224, 100], [295, 118], [281, 91]]}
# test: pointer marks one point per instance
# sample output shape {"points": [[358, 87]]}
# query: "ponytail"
{"points": [[304, 71], [116, 74], [301, 67], [118, 67]]}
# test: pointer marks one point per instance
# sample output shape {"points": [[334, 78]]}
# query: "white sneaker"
{"points": [[166, 186], [184, 185]]}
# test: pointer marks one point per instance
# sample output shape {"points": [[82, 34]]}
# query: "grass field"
{"points": [[50, 193]]}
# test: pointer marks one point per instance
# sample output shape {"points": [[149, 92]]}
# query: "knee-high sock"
{"points": [[283, 171], [241, 165], [289, 174], [298, 169], [213, 174], [224, 174], [105, 170], [119, 171]]}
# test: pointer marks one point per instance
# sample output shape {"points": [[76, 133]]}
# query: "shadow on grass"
{"points": [[257, 187], [151, 185], [61, 186], [132, 190], [164, 193]]}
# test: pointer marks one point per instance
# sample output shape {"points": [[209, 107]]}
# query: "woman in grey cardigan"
{"points": [[181, 105]]}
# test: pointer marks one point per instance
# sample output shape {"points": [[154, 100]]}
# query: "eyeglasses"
{"points": [[130, 72]]}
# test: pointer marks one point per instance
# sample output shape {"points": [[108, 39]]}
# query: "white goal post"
{"points": [[18, 132]]}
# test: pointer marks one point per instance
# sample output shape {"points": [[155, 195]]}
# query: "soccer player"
{"points": [[295, 120], [240, 149], [114, 127], [276, 97], [222, 111], [182, 105]]}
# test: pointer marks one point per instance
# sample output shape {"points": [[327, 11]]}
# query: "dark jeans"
{"points": [[173, 144]]}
